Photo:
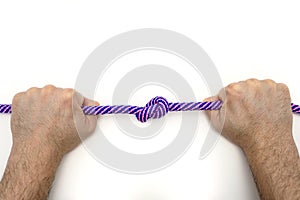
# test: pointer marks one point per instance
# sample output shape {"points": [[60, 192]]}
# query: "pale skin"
{"points": [[256, 116], [43, 132]]}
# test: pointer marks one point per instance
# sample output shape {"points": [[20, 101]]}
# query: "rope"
{"points": [[155, 108]]}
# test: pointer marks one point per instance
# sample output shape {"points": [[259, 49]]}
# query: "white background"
{"points": [[42, 43]]}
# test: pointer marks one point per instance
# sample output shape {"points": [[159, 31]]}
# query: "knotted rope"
{"points": [[155, 108]]}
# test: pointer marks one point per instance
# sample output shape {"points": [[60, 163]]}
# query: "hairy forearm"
{"points": [[275, 164], [29, 173]]}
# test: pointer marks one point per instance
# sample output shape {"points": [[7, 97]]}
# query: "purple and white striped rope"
{"points": [[155, 108]]}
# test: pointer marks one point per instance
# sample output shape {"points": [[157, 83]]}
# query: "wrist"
{"points": [[265, 139], [29, 172], [37, 144], [274, 159], [35, 153]]}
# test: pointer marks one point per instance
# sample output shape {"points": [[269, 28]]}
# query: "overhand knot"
{"points": [[155, 108]]}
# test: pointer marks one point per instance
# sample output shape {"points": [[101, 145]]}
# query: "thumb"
{"points": [[90, 121], [89, 102], [213, 115], [209, 99]]}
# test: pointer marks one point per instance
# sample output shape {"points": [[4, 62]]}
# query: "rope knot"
{"points": [[155, 108]]}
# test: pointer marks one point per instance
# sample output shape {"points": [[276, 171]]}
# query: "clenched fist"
{"points": [[253, 112], [45, 125], [257, 116], [48, 116]]}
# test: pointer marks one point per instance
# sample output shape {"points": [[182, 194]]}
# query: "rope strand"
{"points": [[155, 108]]}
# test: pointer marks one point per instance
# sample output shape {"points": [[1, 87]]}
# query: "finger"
{"points": [[212, 98], [78, 99], [214, 115], [209, 99], [86, 124], [90, 120], [222, 95], [89, 102]]}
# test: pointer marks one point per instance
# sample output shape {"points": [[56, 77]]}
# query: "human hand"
{"points": [[45, 118], [257, 116], [45, 124], [253, 112]]}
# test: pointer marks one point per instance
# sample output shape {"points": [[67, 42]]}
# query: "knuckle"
{"points": [[32, 90], [269, 81], [68, 95], [253, 83], [231, 86], [235, 91], [283, 87], [234, 87], [17, 98], [228, 90], [252, 80], [49, 88]]}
